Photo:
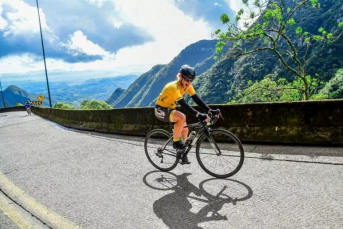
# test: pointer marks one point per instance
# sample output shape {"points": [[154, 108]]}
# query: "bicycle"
{"points": [[221, 147]]}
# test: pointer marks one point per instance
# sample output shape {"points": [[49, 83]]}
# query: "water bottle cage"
{"points": [[191, 136]]}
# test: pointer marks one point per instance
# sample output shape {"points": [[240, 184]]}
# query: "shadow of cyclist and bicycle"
{"points": [[189, 205]]}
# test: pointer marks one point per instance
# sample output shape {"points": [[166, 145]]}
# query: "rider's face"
{"points": [[186, 83]]}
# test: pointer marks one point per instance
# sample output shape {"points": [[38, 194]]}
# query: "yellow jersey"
{"points": [[172, 93]]}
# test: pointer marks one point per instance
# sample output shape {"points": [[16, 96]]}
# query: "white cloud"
{"points": [[79, 43], [3, 22], [237, 5], [117, 24], [171, 29], [23, 21], [99, 3], [20, 63]]}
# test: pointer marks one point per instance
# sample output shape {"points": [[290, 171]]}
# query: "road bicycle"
{"points": [[219, 152]]}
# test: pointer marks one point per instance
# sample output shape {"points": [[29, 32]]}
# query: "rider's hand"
{"points": [[215, 113], [203, 117]]}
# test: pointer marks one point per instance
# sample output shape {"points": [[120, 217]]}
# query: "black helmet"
{"points": [[187, 72]]}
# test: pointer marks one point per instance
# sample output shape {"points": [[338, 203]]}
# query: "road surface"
{"points": [[54, 177]]}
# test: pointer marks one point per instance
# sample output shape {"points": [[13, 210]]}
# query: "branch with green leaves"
{"points": [[271, 26]]}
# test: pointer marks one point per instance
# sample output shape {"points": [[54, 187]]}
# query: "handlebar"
{"points": [[201, 124], [212, 121]]}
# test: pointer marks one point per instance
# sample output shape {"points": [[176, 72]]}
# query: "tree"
{"points": [[95, 105], [270, 26], [65, 106], [268, 90]]}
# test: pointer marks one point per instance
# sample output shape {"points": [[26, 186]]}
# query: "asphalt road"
{"points": [[64, 178]]}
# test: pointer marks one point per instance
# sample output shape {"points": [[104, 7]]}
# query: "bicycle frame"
{"points": [[204, 129]]}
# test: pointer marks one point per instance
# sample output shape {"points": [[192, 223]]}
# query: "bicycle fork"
{"points": [[212, 142]]}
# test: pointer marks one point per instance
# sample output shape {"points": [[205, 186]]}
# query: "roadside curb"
{"points": [[32, 206]]}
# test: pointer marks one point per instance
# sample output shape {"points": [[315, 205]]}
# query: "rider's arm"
{"points": [[185, 106], [188, 108], [201, 103]]}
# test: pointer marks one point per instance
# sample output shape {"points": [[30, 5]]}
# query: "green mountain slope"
{"points": [[115, 95], [228, 77], [146, 88], [136, 90]]}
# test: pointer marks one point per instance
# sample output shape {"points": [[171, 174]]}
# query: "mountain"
{"points": [[13, 94], [228, 77], [135, 92], [115, 95], [219, 82], [98, 89], [1, 101], [144, 91]]}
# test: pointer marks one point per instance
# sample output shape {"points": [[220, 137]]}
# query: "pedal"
{"points": [[184, 161]]}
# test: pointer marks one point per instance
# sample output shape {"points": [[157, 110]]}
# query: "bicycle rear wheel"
{"points": [[220, 156], [159, 150]]}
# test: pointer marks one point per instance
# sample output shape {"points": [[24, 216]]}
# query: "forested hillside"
{"points": [[231, 76], [136, 90], [219, 82]]}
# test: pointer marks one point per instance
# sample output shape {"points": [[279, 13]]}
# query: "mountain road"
{"points": [[55, 177]]}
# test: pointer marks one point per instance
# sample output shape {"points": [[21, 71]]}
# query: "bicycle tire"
{"points": [[231, 151], [163, 159]]}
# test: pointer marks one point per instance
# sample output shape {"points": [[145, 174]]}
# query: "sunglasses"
{"points": [[189, 81]]}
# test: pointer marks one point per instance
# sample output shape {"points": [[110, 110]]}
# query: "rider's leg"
{"points": [[184, 133], [180, 121]]}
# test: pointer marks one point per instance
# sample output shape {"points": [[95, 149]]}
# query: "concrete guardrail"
{"points": [[297, 123]]}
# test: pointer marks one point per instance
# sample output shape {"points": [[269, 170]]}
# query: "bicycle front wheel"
{"points": [[159, 150], [221, 154]]}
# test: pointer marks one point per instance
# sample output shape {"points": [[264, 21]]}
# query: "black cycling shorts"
{"points": [[164, 114]]}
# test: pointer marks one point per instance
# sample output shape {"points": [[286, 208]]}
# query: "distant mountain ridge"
{"points": [[97, 88], [13, 95]]}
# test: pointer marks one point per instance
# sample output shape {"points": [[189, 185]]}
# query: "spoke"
{"points": [[223, 165], [227, 162], [213, 160], [159, 151]]}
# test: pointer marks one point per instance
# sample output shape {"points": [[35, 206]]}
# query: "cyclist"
{"points": [[166, 102], [28, 107]]}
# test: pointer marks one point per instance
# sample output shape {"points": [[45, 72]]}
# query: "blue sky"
{"points": [[104, 37]]}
